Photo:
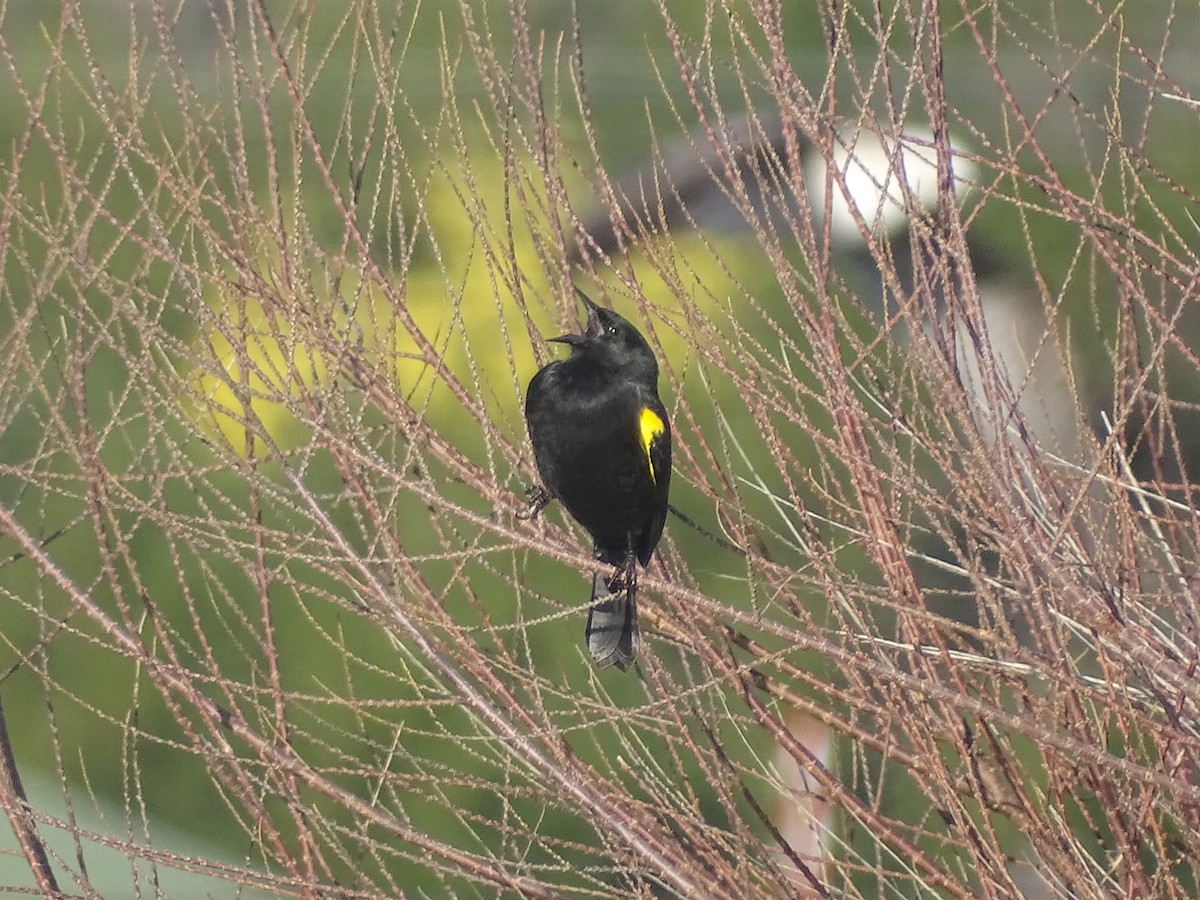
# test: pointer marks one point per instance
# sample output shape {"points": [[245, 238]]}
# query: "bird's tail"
{"points": [[613, 637]]}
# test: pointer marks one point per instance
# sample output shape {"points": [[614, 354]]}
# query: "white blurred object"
{"points": [[1029, 358], [803, 815], [874, 174]]}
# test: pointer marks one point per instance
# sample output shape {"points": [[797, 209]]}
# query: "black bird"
{"points": [[602, 443]]}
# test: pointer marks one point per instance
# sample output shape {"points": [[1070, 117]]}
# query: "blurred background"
{"points": [[921, 279]]}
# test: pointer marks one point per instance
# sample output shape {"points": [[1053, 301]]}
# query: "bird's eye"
{"points": [[612, 329]]}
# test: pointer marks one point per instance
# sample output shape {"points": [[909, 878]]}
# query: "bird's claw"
{"points": [[624, 576], [537, 497]]}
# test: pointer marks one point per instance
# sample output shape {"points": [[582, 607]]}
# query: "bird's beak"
{"points": [[594, 328], [591, 330]]}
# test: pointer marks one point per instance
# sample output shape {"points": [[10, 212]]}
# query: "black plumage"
{"points": [[602, 442]]}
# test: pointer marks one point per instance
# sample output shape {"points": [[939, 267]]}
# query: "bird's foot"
{"points": [[537, 497], [624, 576]]}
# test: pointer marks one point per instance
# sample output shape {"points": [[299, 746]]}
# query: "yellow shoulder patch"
{"points": [[651, 427]]}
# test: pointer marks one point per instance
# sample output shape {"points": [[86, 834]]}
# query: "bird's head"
{"points": [[609, 338]]}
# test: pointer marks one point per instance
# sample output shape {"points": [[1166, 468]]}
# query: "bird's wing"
{"points": [[656, 439]]}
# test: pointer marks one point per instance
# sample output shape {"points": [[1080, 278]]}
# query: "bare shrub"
{"points": [[274, 281]]}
